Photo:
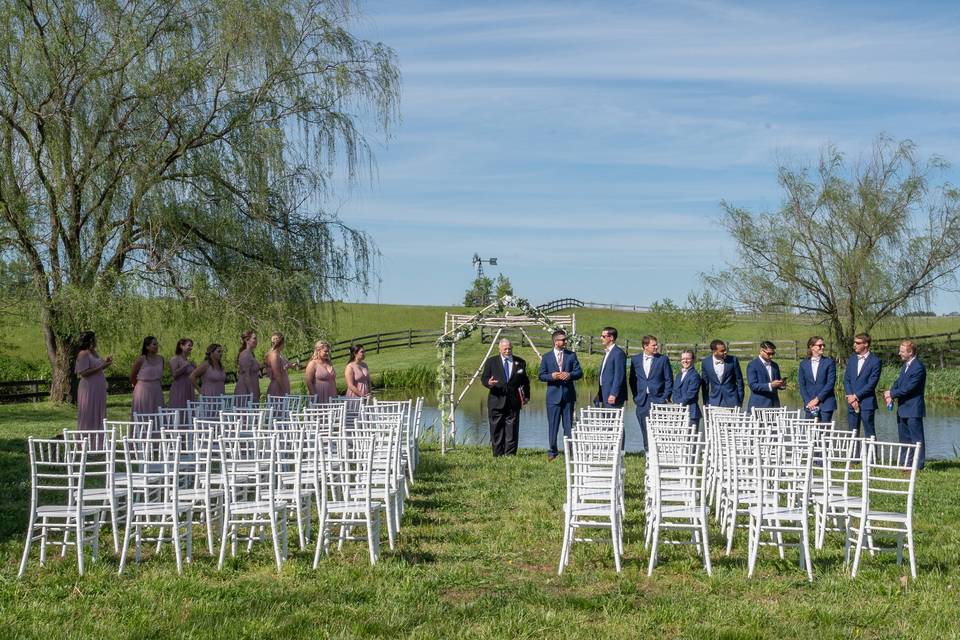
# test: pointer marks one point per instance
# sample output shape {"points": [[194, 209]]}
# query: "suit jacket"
{"points": [[653, 389], [864, 386], [560, 391], [822, 387], [687, 390], [506, 393], [908, 390], [727, 392], [761, 395], [613, 377]]}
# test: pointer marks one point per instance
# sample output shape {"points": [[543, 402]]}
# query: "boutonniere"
{"points": [[519, 371]]}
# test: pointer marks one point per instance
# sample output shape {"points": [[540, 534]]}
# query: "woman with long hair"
{"points": [[277, 366], [210, 372], [248, 369], [320, 376], [92, 392], [357, 374], [146, 376], [181, 389]]}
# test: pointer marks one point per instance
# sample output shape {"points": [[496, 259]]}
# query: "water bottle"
{"points": [[890, 406]]}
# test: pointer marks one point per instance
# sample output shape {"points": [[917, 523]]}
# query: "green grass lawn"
{"points": [[476, 558]]}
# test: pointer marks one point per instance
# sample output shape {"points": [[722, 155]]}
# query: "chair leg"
{"points": [[79, 528], [175, 540], [861, 533], [653, 547], [26, 546], [223, 541], [705, 540], [126, 545], [913, 558], [276, 539]]}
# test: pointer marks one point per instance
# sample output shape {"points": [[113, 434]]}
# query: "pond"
{"points": [[941, 426]]}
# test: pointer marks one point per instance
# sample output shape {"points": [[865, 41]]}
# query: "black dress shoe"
{"points": [[551, 458]]}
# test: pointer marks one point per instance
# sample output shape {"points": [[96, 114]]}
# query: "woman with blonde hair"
{"points": [[320, 375], [277, 367]]}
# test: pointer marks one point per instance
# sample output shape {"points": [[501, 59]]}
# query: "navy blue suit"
{"points": [[653, 389], [911, 408], [822, 387], [613, 378], [761, 394], [686, 391], [727, 392], [561, 394], [864, 386]]}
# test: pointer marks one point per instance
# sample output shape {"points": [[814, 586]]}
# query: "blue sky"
{"points": [[587, 145]]}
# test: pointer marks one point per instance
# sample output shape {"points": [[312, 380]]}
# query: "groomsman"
{"points": [[505, 376], [686, 387], [816, 380], [613, 371], [722, 377], [763, 378], [860, 384], [908, 391], [651, 381], [559, 369]]}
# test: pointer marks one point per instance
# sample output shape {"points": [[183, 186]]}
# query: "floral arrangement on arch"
{"points": [[445, 343]]}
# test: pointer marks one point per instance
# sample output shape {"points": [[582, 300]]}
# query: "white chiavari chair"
{"points": [[783, 504], [248, 468], [345, 493], [57, 505], [889, 478], [200, 485], [100, 484], [153, 497], [593, 489], [677, 467]]}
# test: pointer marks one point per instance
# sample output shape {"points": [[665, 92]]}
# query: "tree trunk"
{"points": [[61, 352]]}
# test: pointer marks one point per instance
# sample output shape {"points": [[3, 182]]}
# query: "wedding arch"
{"points": [[496, 316]]}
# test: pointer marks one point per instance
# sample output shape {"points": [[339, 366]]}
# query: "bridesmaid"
{"points": [[146, 377], [277, 367], [92, 393], [320, 375], [357, 374], [181, 367], [248, 369], [210, 372]]}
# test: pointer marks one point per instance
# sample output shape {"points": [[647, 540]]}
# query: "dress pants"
{"points": [[504, 430], [556, 413], [910, 431], [642, 419], [865, 417]]}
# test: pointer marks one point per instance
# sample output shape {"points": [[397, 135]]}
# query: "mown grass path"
{"points": [[477, 559]]}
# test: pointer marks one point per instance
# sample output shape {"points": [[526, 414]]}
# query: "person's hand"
{"points": [[887, 396], [107, 361], [611, 399], [492, 381], [557, 375], [523, 400], [779, 384], [851, 399], [814, 402], [564, 375], [856, 405]]}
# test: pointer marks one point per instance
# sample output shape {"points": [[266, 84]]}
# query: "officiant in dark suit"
{"points": [[506, 377]]}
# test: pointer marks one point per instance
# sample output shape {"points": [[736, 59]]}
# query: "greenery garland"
{"points": [[445, 345]]}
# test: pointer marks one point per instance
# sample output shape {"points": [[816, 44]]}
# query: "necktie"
{"points": [[506, 369], [559, 360]]}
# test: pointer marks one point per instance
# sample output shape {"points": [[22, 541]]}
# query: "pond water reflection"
{"points": [[941, 426]]}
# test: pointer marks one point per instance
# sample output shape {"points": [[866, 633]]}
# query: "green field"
{"points": [[477, 558]]}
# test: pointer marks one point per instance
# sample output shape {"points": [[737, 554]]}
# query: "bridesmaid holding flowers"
{"points": [[248, 369], [92, 392], [357, 374], [320, 376], [210, 373], [277, 367], [146, 377], [181, 389]]}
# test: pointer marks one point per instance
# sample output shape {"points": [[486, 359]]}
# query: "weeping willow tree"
{"points": [[183, 147]]}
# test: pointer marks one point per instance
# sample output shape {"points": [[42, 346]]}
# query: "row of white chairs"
{"points": [[219, 475], [785, 479]]}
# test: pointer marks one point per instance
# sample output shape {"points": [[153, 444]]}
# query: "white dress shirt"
{"points": [[814, 366]]}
